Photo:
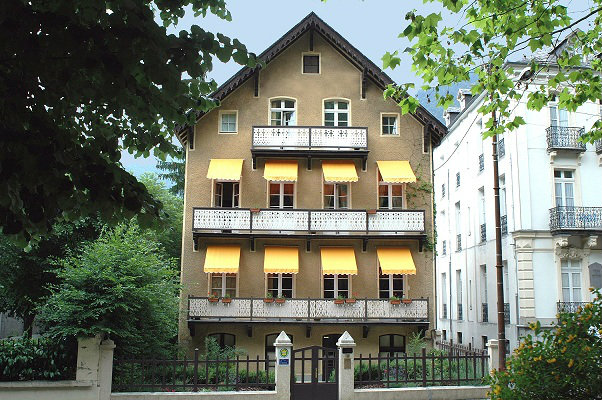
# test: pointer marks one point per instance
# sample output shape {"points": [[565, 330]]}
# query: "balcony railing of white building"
{"points": [[507, 313], [485, 312], [576, 219], [308, 222], [565, 138], [504, 224], [307, 310], [569, 306], [598, 146], [310, 137], [483, 232]]}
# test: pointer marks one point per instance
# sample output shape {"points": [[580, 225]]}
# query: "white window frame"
{"points": [[214, 193], [396, 126], [573, 266], [503, 209], [555, 111], [336, 111], [220, 125], [282, 109], [564, 182], [391, 278], [390, 196], [280, 279], [336, 197], [311, 53], [223, 288], [336, 285], [281, 194]]}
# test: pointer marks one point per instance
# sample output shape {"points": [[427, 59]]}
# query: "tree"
{"points": [[123, 286], [79, 81], [559, 363], [25, 276], [175, 171], [488, 35]]}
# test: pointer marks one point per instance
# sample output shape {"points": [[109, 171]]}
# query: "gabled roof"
{"points": [[315, 24]]}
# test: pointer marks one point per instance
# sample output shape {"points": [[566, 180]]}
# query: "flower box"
{"points": [[406, 301], [226, 300], [280, 301], [213, 299], [350, 301], [255, 210], [395, 302], [339, 301], [268, 300]]}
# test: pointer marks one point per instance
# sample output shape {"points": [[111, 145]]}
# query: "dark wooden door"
{"points": [[314, 374]]}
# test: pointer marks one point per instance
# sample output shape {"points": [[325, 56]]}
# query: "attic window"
{"points": [[311, 63]]}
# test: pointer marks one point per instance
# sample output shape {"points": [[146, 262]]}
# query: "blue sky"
{"points": [[372, 26]]}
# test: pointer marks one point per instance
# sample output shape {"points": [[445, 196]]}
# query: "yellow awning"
{"points": [[396, 260], [338, 260], [336, 171], [225, 169], [281, 260], [396, 171], [281, 171], [222, 259]]}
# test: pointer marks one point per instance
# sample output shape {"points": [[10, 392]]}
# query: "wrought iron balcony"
{"points": [[485, 312], [576, 219], [460, 314], [565, 138], [481, 162], [504, 224], [569, 306], [501, 148], [483, 233], [507, 313], [599, 146], [307, 310], [444, 314], [459, 242], [307, 222]]}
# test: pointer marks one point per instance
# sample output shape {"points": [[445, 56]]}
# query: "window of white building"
{"points": [[564, 188], [570, 271]]}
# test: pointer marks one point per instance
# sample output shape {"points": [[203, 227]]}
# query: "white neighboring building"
{"points": [[551, 207]]}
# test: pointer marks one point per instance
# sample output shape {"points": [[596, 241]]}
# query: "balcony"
{"points": [[576, 219], [504, 224], [307, 310], [310, 141], [485, 312], [507, 313], [565, 138], [240, 222], [598, 146], [483, 232], [444, 314], [569, 306], [460, 314], [481, 162], [501, 148], [459, 242]]}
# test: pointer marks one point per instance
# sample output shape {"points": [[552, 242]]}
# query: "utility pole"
{"points": [[501, 323]]}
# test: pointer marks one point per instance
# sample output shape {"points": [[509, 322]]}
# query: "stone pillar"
{"points": [[493, 350], [88, 358], [105, 369], [283, 346], [346, 367]]}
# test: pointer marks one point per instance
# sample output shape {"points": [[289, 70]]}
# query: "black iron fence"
{"points": [[501, 148], [582, 218], [437, 367], [565, 138], [193, 375], [569, 306]]}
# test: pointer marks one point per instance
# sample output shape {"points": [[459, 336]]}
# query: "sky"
{"points": [[372, 26]]}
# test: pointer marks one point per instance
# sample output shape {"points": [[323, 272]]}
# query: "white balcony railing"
{"points": [[253, 309], [310, 138], [264, 221]]}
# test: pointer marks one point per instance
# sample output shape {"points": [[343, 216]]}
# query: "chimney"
{"points": [[464, 96], [450, 115]]}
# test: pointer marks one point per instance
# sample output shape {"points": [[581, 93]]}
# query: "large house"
{"points": [[551, 216], [308, 205]]}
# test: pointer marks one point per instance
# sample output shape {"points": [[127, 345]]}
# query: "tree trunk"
{"points": [[28, 324]]}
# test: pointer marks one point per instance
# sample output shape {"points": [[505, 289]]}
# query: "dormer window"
{"points": [[336, 113], [283, 112], [311, 63]]}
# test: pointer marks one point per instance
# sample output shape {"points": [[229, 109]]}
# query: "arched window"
{"points": [[283, 112], [336, 113], [270, 350], [224, 339], [389, 345]]}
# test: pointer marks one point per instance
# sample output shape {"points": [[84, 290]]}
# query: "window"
{"points": [[228, 122], [457, 179], [459, 337], [444, 247], [484, 341], [282, 195], [482, 216], [390, 195], [459, 292], [595, 275], [484, 304], [391, 345], [311, 63], [503, 195], [226, 194], [336, 285], [564, 184], [571, 280], [458, 227], [390, 285], [280, 285], [283, 112], [444, 334], [558, 116], [444, 294], [443, 190], [336, 196], [389, 125], [336, 113], [270, 349], [224, 340], [223, 284]]}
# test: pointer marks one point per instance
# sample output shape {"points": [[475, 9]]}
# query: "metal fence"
{"points": [[437, 367], [193, 375]]}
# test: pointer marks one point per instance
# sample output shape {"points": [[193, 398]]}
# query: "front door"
{"points": [[314, 374]]}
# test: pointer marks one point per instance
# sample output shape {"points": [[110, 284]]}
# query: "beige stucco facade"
{"points": [[283, 78]]}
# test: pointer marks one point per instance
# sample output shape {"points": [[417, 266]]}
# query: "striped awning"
{"points": [[396, 171], [222, 259], [338, 260], [281, 170], [281, 260], [396, 260], [337, 171], [225, 169]]}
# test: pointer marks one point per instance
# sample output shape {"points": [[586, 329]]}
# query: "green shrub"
{"points": [[27, 359]]}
